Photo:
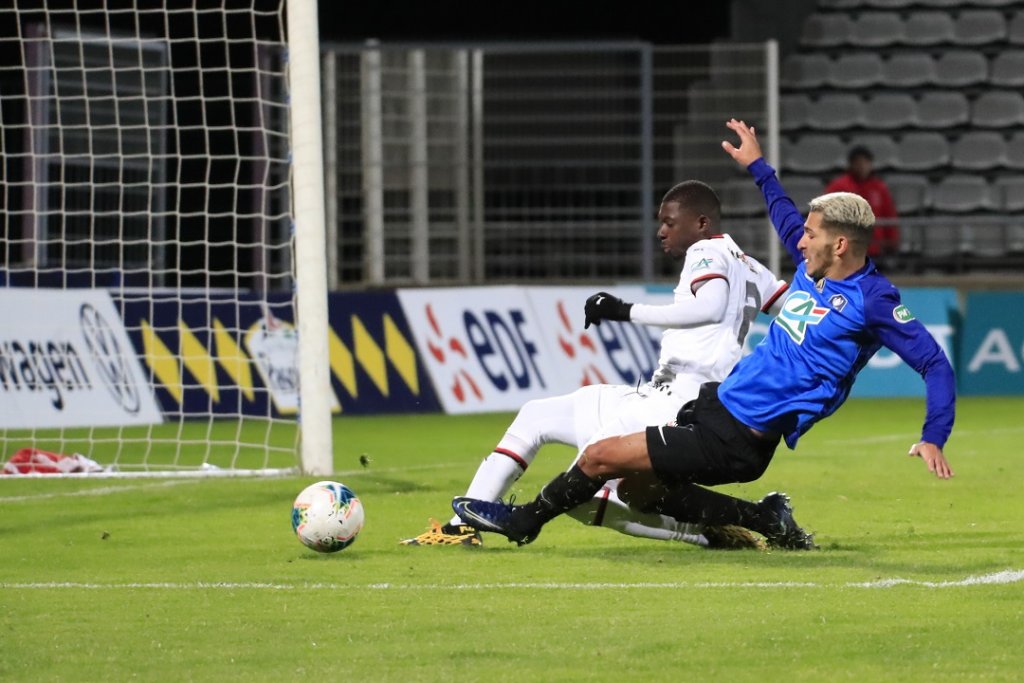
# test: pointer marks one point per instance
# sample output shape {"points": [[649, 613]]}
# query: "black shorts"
{"points": [[709, 446]]}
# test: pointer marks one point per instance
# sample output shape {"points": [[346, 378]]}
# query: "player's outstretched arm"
{"points": [[933, 458], [604, 306], [784, 214], [749, 150]]}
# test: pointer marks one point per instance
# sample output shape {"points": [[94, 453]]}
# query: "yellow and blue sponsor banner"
{"points": [[237, 354]]}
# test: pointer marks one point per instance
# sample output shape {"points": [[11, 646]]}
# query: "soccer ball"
{"points": [[327, 516]]}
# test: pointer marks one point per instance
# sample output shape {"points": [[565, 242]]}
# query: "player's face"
{"points": [[679, 227], [817, 246]]}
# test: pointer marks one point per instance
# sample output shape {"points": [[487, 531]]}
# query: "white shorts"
{"points": [[603, 410]]}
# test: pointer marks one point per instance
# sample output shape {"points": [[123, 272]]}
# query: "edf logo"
{"points": [[633, 350], [506, 355]]}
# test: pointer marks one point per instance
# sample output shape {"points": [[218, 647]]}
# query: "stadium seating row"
{"points": [[952, 69], [893, 111], [954, 193], [879, 29], [913, 151], [904, 4]]}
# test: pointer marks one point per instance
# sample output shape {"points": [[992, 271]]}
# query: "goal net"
{"points": [[150, 229]]}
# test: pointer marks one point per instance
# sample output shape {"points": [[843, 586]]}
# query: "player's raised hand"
{"points": [[933, 457], [604, 306], [749, 150]]}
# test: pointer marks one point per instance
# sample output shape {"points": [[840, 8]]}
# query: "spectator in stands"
{"points": [[861, 179]]}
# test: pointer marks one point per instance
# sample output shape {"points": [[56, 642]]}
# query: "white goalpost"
{"points": [[162, 260]]}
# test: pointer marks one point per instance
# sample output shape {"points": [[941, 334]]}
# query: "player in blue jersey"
{"points": [[839, 311]]}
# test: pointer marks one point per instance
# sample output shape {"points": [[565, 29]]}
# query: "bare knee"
{"points": [[600, 459]]}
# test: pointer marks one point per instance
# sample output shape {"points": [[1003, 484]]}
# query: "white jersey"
{"points": [[707, 352]]}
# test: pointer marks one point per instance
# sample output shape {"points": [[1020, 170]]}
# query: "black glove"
{"points": [[604, 306]]}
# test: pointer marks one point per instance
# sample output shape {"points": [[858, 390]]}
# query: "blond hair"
{"points": [[847, 213]]}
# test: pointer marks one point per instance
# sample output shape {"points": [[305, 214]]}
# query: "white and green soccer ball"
{"points": [[327, 516]]}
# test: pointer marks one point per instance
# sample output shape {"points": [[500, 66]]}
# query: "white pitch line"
{"points": [[1007, 576], [909, 436], [98, 491], [109, 490]]}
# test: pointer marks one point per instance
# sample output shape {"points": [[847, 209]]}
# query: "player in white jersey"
{"points": [[720, 292]]}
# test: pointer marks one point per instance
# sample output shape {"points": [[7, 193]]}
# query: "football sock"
{"points": [[608, 510], [695, 504], [495, 476], [561, 494]]}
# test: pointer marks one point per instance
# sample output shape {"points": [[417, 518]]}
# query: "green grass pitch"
{"points": [[174, 580]]}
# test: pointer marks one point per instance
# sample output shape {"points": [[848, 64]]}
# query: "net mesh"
{"points": [[145, 154]]}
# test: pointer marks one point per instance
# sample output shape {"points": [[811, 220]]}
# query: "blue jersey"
{"points": [[827, 331]]}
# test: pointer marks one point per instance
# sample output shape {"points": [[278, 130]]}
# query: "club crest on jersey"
{"points": [[797, 313], [902, 314], [838, 302], [703, 264]]}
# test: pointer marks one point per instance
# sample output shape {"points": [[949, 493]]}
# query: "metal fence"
{"points": [[523, 162], [527, 162]]}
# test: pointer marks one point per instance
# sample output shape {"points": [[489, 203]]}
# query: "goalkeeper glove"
{"points": [[604, 306]]}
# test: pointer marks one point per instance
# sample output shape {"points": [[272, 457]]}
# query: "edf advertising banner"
{"points": [[992, 345], [482, 347], [494, 348]]}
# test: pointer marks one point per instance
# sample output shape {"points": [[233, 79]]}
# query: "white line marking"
{"points": [[108, 490], [98, 491], [909, 436], [1007, 576]]}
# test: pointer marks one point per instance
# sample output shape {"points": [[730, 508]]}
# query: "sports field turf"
{"points": [[173, 580]]}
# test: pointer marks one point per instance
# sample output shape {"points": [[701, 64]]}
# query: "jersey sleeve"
{"points": [[772, 290], [783, 212], [705, 307], [703, 262], [899, 331]]}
